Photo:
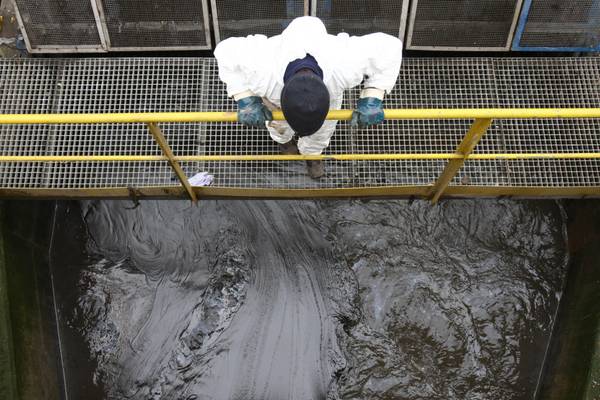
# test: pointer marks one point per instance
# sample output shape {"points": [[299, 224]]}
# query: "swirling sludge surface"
{"points": [[310, 300]]}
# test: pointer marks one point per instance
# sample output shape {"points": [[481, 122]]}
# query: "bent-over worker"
{"points": [[305, 71]]}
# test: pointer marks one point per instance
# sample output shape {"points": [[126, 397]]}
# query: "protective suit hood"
{"points": [[304, 30], [304, 35]]}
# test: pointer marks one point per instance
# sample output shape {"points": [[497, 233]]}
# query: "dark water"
{"points": [[307, 300]]}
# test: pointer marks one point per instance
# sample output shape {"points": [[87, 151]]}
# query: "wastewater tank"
{"points": [[492, 299]]}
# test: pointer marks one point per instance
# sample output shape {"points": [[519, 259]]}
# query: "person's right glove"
{"points": [[252, 112], [369, 111]]}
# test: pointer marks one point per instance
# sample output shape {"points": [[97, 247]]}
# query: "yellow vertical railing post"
{"points": [[162, 142], [473, 136]]}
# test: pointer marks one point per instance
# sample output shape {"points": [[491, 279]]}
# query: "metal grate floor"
{"points": [[192, 84]]}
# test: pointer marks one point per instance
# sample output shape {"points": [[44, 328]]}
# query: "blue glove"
{"points": [[252, 112], [369, 111]]}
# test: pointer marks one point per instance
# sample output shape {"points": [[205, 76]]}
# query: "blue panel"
{"points": [[523, 19]]}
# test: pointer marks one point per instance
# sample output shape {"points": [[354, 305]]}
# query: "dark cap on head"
{"points": [[305, 102]]}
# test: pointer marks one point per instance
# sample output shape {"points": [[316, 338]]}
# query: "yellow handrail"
{"points": [[482, 121], [391, 114], [281, 157]]}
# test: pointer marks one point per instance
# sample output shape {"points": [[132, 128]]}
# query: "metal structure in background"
{"points": [[519, 156], [155, 24], [59, 26], [462, 25], [361, 17], [73, 26], [559, 25], [242, 18]]}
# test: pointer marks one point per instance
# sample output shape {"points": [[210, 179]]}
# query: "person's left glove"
{"points": [[369, 111], [252, 112]]}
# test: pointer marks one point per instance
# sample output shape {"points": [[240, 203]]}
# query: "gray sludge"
{"points": [[319, 300]]}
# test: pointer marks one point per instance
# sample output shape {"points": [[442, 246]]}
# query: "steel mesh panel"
{"points": [[556, 173], [60, 23], [124, 85], [278, 174], [360, 17], [462, 23], [191, 84], [549, 83], [484, 173], [156, 24], [562, 24], [542, 83], [397, 173], [236, 18], [28, 87], [83, 175], [432, 83]]}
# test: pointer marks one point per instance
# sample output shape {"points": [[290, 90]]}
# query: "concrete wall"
{"points": [[573, 362], [8, 376], [30, 365]]}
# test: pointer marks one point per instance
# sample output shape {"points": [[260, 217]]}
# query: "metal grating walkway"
{"points": [[191, 84]]}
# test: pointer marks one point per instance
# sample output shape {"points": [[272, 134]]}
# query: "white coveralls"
{"points": [[255, 65]]}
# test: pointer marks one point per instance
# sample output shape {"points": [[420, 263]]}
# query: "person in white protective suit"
{"points": [[305, 71]]}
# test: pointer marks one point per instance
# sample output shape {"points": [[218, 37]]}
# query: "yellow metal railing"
{"points": [[483, 118], [465, 113]]}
